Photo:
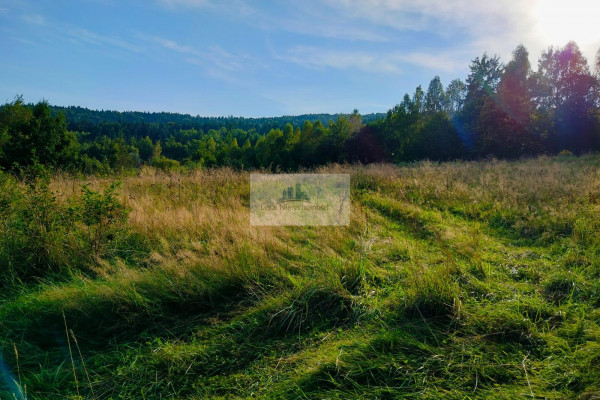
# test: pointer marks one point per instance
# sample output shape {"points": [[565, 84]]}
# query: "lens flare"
{"points": [[559, 21], [9, 381]]}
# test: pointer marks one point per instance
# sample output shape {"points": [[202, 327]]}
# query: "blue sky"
{"points": [[264, 58]]}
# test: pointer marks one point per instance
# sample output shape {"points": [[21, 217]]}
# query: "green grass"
{"points": [[457, 280]]}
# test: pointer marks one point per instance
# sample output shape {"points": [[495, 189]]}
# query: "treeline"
{"points": [[34, 134], [161, 125], [505, 111]]}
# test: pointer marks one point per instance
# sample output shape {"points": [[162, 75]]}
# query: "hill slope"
{"points": [[79, 118]]}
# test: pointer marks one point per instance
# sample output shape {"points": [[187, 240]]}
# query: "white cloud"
{"points": [[313, 57], [468, 25], [383, 62], [102, 40], [214, 56], [445, 61], [24, 41], [494, 26], [34, 19], [77, 34], [216, 62], [439, 15], [172, 45], [185, 3]]}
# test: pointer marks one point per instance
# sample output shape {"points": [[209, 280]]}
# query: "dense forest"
{"points": [[501, 110]]}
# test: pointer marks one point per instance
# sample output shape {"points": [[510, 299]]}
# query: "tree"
{"points": [[455, 97], [505, 120], [145, 148], [248, 159], [355, 120], [435, 98], [482, 82], [365, 147], [31, 134], [418, 101], [332, 146], [566, 89]]}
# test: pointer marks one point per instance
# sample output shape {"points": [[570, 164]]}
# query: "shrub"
{"points": [[164, 163], [103, 216], [42, 236], [37, 237]]}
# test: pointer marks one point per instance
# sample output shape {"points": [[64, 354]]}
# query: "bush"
{"points": [[164, 163], [37, 237], [103, 216], [42, 237]]}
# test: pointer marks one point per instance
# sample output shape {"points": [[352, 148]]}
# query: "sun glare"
{"points": [[559, 21]]}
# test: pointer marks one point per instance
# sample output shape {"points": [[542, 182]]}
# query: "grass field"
{"points": [[455, 280]]}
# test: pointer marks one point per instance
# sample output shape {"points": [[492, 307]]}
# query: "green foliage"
{"points": [[43, 237], [103, 216], [32, 134], [164, 163], [37, 239]]}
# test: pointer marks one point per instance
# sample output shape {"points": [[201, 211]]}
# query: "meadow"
{"points": [[476, 279]]}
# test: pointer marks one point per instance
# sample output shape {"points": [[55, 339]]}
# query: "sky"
{"points": [[269, 57]]}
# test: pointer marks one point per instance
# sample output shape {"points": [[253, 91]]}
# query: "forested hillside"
{"points": [[83, 119]]}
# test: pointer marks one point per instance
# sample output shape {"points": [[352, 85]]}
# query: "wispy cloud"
{"points": [[439, 15], [185, 3], [313, 20], [373, 62], [301, 18], [465, 27], [496, 26], [447, 61], [224, 59], [172, 45], [316, 58], [34, 19], [214, 55], [231, 8], [76, 34], [24, 41], [215, 61], [331, 30], [102, 40]]}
